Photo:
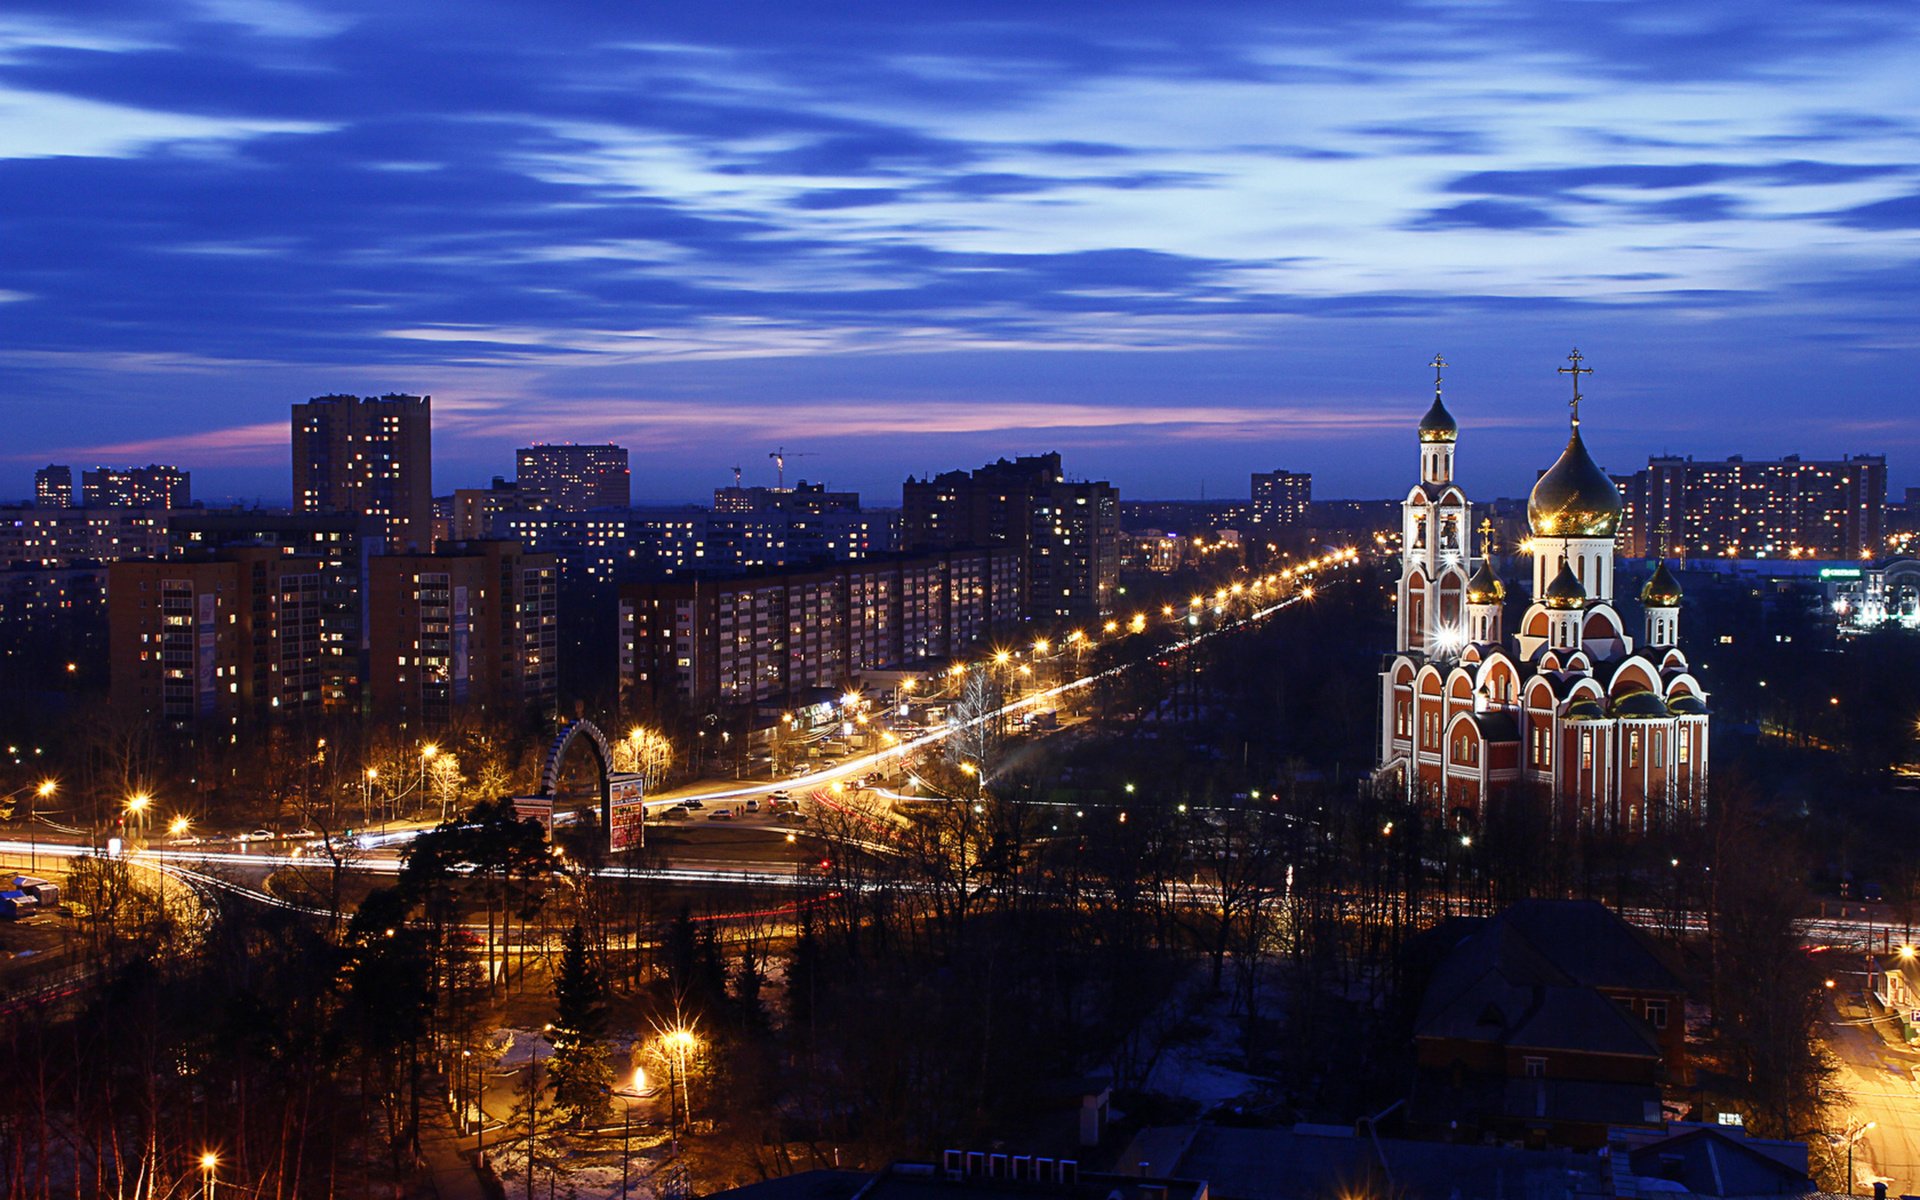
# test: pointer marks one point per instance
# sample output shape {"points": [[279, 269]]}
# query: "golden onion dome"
{"points": [[1663, 590], [1575, 498], [1566, 590], [1644, 705], [1438, 425], [1485, 586]]}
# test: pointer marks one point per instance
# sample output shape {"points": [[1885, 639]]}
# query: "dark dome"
{"points": [[1575, 498], [1566, 590], [1639, 704], [1687, 706], [1663, 590], [1438, 425], [1485, 587], [1585, 709]]}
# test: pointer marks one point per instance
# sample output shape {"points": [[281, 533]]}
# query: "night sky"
{"points": [[1176, 241]]}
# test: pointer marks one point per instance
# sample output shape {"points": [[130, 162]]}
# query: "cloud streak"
{"points": [[857, 216]]}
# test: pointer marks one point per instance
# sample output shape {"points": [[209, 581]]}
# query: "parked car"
{"points": [[783, 796], [720, 814], [753, 804], [693, 805]]}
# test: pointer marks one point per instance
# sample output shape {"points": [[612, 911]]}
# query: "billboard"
{"points": [[535, 808], [626, 813]]}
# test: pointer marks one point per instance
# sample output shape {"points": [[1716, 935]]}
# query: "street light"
{"points": [[1853, 1138], [208, 1161], [178, 826]]}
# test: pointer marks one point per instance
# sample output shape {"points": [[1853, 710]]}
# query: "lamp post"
{"points": [[426, 756], [1853, 1138], [208, 1180], [137, 806], [46, 788], [366, 795]]}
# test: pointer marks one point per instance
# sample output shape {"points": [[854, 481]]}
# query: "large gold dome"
{"points": [[1575, 498]]}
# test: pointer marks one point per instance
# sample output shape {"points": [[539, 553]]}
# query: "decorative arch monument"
{"points": [[622, 795]]}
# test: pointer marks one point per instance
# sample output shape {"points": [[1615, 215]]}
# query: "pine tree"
{"points": [[582, 1075]]}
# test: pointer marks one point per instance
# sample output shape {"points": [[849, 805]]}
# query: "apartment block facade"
{"points": [[228, 637], [714, 642], [575, 478], [472, 624], [1788, 507], [371, 456], [1065, 535]]}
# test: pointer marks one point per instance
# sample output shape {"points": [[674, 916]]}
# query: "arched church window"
{"points": [[1420, 535], [1450, 532]]}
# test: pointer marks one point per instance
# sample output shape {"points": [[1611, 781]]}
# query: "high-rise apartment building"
{"points": [[231, 636], [53, 487], [340, 543], [370, 456], [572, 478], [776, 636], [1066, 536], [151, 486], [472, 624], [1280, 500], [1761, 508]]}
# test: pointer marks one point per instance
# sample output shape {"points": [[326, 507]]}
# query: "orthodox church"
{"points": [[1568, 706]]}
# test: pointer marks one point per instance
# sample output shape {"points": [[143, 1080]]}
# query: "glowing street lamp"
{"points": [[178, 826], [209, 1161]]}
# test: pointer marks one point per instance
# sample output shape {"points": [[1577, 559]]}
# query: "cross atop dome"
{"points": [[1437, 364], [1576, 370], [1486, 537]]}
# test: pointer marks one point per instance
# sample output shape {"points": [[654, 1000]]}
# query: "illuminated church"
{"points": [[1610, 728]]}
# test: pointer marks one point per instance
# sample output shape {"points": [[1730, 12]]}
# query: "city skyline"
{"points": [[972, 231]]}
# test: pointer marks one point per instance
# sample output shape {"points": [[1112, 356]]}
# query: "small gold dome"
{"points": [[1566, 590], [1663, 590], [1438, 425], [1575, 498], [1485, 586]]}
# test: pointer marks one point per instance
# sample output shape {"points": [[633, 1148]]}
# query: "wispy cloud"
{"points": [[223, 205]]}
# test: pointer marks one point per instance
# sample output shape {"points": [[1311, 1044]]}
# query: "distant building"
{"points": [[803, 497], [151, 486], [473, 513], [472, 624], [373, 457], [622, 545], [1280, 500], [232, 636], [1066, 536], [1775, 508], [574, 478], [53, 487], [771, 636], [64, 537]]}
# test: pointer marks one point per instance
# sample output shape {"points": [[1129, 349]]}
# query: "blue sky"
{"points": [[1177, 242]]}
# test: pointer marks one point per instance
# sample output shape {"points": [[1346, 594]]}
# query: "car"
{"points": [[259, 835], [692, 805], [753, 804], [720, 814], [783, 796]]}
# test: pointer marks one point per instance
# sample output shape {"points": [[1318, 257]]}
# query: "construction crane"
{"points": [[780, 457]]}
